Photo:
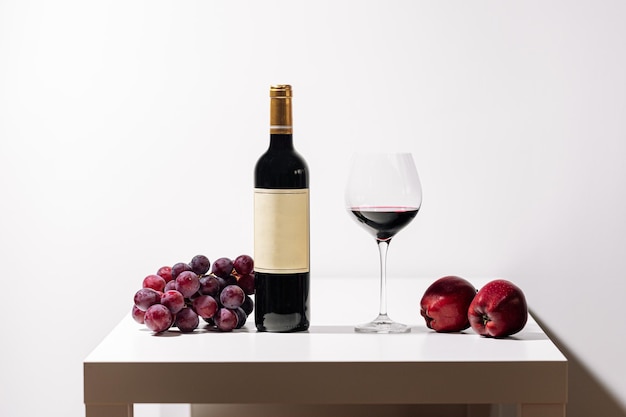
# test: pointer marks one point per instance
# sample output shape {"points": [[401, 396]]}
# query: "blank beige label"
{"points": [[281, 231]]}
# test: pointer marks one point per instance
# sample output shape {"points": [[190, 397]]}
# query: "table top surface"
{"points": [[337, 304]]}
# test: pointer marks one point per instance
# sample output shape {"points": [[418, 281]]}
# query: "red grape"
{"points": [[225, 319], [187, 320], [171, 285], [138, 315], [246, 282], [243, 264], [222, 267], [178, 268], [165, 272], [146, 297], [205, 306], [230, 280], [173, 300], [200, 264], [248, 305], [155, 282], [241, 317], [222, 284], [232, 296], [188, 283], [209, 285], [158, 318]]}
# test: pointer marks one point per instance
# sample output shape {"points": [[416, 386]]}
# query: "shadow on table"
{"points": [[345, 329], [331, 329]]}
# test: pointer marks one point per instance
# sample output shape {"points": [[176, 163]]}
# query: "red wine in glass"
{"points": [[384, 221], [383, 194]]}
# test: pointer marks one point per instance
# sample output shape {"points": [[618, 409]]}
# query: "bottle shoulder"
{"points": [[281, 169], [280, 157]]}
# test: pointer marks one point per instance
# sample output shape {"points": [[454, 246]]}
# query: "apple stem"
{"points": [[485, 319]]}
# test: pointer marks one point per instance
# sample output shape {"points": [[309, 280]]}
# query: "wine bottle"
{"points": [[281, 226]]}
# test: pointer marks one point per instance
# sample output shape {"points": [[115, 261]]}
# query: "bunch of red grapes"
{"points": [[184, 293]]}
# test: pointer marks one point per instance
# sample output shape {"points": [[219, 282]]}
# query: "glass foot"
{"points": [[382, 324]]}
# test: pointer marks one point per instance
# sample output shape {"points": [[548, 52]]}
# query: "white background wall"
{"points": [[129, 131]]}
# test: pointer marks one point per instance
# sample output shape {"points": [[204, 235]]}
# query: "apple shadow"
{"points": [[415, 329], [424, 329], [528, 336]]}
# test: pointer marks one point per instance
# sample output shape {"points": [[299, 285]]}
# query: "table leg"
{"points": [[541, 410], [109, 410]]}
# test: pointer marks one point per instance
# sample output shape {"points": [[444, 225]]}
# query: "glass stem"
{"points": [[383, 245]]}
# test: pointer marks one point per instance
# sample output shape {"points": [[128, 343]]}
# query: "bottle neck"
{"points": [[281, 142], [280, 110]]}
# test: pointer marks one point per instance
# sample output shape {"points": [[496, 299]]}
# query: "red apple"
{"points": [[444, 304], [498, 310]]}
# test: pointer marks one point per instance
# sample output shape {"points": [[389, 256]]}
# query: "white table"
{"points": [[329, 366]]}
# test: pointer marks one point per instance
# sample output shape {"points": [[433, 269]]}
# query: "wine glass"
{"points": [[383, 194]]}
